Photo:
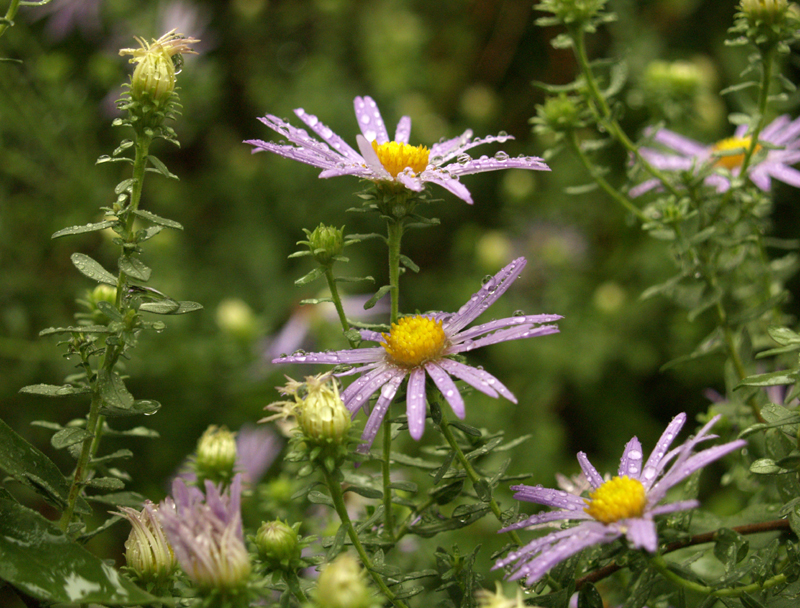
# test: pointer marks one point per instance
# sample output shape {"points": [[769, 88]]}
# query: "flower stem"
{"points": [[768, 57], [388, 513], [8, 20], [335, 488], [337, 302], [472, 474], [394, 231]]}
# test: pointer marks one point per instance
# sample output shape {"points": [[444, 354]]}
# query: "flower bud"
{"points": [[558, 114], [322, 415], [216, 455], [236, 318], [278, 545], [487, 599], [325, 243], [764, 11], [342, 584], [153, 80], [569, 12], [147, 552]]}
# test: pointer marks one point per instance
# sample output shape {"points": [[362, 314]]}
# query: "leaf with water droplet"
{"points": [[84, 228], [92, 269]]}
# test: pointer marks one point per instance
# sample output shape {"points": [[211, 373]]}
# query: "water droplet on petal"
{"points": [[501, 156], [463, 159]]}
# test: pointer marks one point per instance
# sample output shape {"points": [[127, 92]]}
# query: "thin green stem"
{"points": [[601, 181], [472, 474], [767, 62], [8, 20], [602, 111], [406, 525], [335, 488], [660, 564], [388, 512], [394, 231], [337, 302]]}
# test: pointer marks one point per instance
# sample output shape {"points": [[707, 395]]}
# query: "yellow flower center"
{"points": [[396, 156], [732, 144], [414, 341], [618, 498]]}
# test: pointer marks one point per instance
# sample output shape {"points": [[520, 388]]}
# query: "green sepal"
{"points": [[134, 267], [92, 269], [382, 291], [157, 219], [160, 167], [53, 390], [29, 466], [83, 229], [40, 560]]}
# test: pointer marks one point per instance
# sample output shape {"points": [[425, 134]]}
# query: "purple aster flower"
{"points": [[621, 506], [421, 345], [380, 159], [256, 450], [727, 156], [205, 532]]}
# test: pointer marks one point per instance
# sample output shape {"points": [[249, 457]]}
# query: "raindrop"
{"points": [[501, 156], [649, 473], [463, 159], [635, 454], [436, 160], [312, 120], [519, 313], [365, 119], [326, 132], [502, 134], [486, 279]]}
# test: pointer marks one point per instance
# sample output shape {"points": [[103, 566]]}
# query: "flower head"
{"points": [[726, 156], [205, 532], [421, 345], [383, 160], [621, 506], [147, 551], [342, 584]]}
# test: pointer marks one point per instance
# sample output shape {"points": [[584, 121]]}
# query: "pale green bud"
{"points": [[322, 415], [278, 545], [487, 599], [558, 114], [764, 11], [147, 552], [325, 243], [236, 318], [342, 584], [571, 12], [216, 455]]}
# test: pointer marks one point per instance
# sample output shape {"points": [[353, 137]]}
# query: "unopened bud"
{"points": [[147, 552], [278, 545], [764, 11], [558, 114], [216, 455], [342, 584], [322, 415], [325, 243]]}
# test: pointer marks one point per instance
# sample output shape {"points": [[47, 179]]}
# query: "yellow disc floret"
{"points": [[732, 144], [414, 341], [396, 156], [618, 498]]}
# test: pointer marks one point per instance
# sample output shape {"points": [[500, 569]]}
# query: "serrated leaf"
{"points": [[158, 220], [83, 229], [160, 167], [92, 269], [53, 390], [113, 391], [39, 559], [382, 291], [134, 267], [316, 273], [29, 466], [69, 436]]}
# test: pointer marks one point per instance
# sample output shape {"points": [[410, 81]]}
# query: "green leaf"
{"points": [[767, 466], [118, 455], [316, 301], [134, 267], [483, 490], [29, 466], [364, 491], [83, 329], [316, 273], [783, 335], [730, 547], [53, 390], [92, 269], [105, 483], [157, 219], [69, 436], [408, 263], [168, 307], [769, 379], [382, 291], [160, 167], [466, 429], [39, 559], [119, 499], [109, 310], [125, 185], [318, 498], [354, 279], [82, 229], [113, 391], [589, 597], [140, 406]]}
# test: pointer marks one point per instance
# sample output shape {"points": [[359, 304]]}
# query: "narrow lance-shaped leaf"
{"points": [[92, 269]]}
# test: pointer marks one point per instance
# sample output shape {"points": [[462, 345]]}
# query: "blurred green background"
{"points": [[450, 65]]}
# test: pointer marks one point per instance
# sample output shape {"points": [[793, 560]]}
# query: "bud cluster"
{"points": [[768, 23]]}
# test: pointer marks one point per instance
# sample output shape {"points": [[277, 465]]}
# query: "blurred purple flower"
{"points": [[622, 506], [421, 345], [385, 160], [205, 532], [728, 154], [66, 16], [256, 449]]}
